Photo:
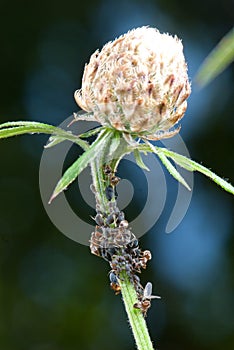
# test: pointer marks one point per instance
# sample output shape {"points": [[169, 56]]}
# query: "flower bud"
{"points": [[138, 83]]}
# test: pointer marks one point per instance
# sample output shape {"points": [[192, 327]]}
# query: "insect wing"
{"points": [[148, 291]]}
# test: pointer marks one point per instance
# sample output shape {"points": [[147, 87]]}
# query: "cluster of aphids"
{"points": [[113, 241]]}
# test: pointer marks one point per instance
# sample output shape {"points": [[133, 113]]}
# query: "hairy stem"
{"points": [[135, 316], [129, 295], [99, 181]]}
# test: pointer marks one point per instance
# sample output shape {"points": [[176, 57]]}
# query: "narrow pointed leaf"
{"points": [[172, 170], [80, 164], [53, 141], [23, 127], [41, 126], [139, 160], [219, 58], [91, 132], [191, 165], [179, 159]]}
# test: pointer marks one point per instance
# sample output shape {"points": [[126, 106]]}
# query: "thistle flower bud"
{"points": [[137, 84]]}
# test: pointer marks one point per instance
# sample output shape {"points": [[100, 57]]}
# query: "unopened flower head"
{"points": [[138, 83]]}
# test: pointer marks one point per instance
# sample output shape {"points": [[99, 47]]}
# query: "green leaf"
{"points": [[91, 132], [115, 141], [81, 163], [172, 170], [53, 141], [23, 127], [139, 160], [37, 125], [219, 58], [191, 165]]}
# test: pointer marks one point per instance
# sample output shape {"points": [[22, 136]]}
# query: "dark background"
{"points": [[54, 294]]}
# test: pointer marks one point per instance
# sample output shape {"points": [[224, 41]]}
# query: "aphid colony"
{"points": [[113, 241]]}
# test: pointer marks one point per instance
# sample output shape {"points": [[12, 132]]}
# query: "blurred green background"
{"points": [[54, 295]]}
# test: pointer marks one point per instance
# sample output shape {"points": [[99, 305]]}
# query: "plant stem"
{"points": [[135, 316], [99, 183]]}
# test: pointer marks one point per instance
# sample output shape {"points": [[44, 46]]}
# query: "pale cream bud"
{"points": [[137, 84]]}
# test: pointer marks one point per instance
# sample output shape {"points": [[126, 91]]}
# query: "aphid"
{"points": [[111, 219], [113, 207], [99, 219], [137, 284], [128, 269], [116, 193], [147, 254], [109, 193], [121, 216], [114, 180], [145, 302], [136, 279], [107, 170], [113, 278], [123, 223], [95, 242], [112, 251], [107, 252], [133, 244], [117, 264]]}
